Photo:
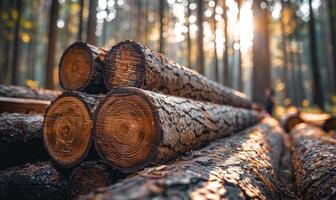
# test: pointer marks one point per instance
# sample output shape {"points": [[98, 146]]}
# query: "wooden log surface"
{"points": [[289, 121], [21, 139], [132, 64], [81, 67], [21, 105], [316, 119], [135, 127], [91, 175], [25, 92], [314, 158], [33, 182], [330, 125], [67, 127], [242, 166]]}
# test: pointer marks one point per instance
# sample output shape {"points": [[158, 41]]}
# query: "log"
{"points": [[132, 64], [20, 105], [314, 158], [316, 119], [91, 175], [242, 166], [289, 121], [25, 92], [133, 127], [33, 181], [67, 127], [81, 67], [329, 125], [21, 139]]}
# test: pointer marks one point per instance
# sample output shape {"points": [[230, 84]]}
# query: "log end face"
{"points": [[330, 124], [75, 69], [125, 65], [126, 130], [291, 121], [67, 130]]}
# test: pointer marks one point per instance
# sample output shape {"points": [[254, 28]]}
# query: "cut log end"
{"points": [[126, 126], [76, 67], [329, 124], [67, 130], [291, 121], [124, 65]]}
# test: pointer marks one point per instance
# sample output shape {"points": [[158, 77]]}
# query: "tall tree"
{"points": [[161, 8], [217, 77], [146, 21], [16, 48], [225, 52], [81, 12], [49, 81], [200, 49], [261, 53], [139, 17], [331, 5], [240, 73], [92, 22], [284, 48], [188, 36], [317, 89]]}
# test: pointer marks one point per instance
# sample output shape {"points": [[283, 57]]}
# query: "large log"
{"points": [[91, 175], [67, 127], [21, 105], [20, 139], [134, 127], [314, 159], [25, 92], [132, 64], [242, 166], [33, 181], [81, 67]]}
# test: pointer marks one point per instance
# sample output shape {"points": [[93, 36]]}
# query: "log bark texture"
{"points": [[25, 92], [33, 182], [21, 139], [314, 158], [132, 64], [242, 166], [20, 105], [81, 68], [134, 127], [67, 127], [91, 175]]}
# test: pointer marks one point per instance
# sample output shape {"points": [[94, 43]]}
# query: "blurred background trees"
{"points": [[250, 45]]}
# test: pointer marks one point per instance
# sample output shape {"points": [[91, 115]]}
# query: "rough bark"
{"points": [[81, 68], [132, 64], [67, 127], [242, 166], [289, 121], [314, 158], [20, 139], [25, 92], [33, 181], [18, 105], [162, 15], [91, 175], [134, 127]]}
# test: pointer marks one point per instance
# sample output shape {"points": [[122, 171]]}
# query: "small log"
{"points": [[91, 175], [67, 127], [289, 121], [242, 166], [33, 181], [132, 64], [25, 92], [134, 127], [20, 105], [314, 158], [316, 119], [81, 67], [21, 139]]}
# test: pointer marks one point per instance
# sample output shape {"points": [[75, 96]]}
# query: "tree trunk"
{"points": [[81, 16], [242, 166], [261, 53], [240, 67], [20, 139], [20, 105], [16, 49], [314, 161], [91, 175], [25, 92], [67, 127], [200, 49], [81, 68], [215, 44], [161, 9], [332, 15], [131, 64], [134, 127], [317, 89], [188, 37], [91, 27], [284, 50], [50, 81], [225, 52], [33, 181]]}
